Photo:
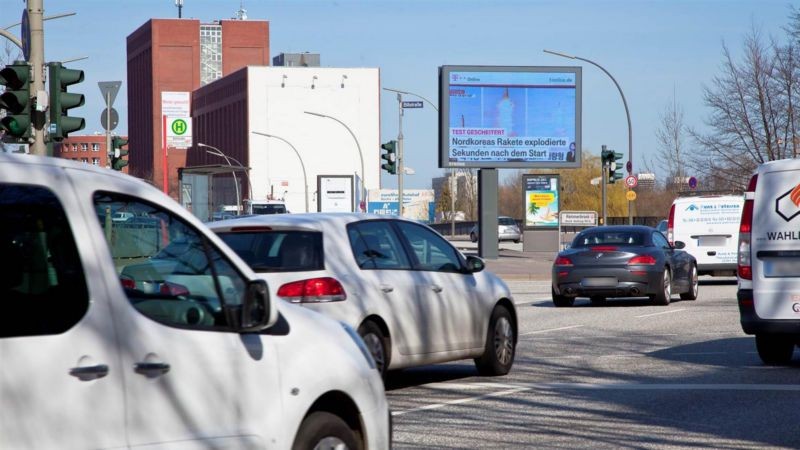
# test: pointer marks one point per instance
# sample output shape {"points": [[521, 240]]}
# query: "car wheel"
{"points": [[694, 285], [597, 300], [516, 241], [498, 353], [323, 430], [664, 293], [473, 237], [377, 344], [774, 350], [561, 300]]}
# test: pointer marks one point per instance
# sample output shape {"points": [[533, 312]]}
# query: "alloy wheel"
{"points": [[331, 443], [503, 341]]}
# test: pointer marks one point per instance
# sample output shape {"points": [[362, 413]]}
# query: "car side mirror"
{"points": [[256, 312], [680, 245], [475, 264]]}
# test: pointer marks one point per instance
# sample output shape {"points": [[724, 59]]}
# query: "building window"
{"points": [[74, 147], [95, 147], [95, 161], [86, 160], [210, 53], [84, 147]]}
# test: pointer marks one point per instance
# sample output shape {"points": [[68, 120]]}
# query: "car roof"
{"points": [[315, 221], [52, 161]]}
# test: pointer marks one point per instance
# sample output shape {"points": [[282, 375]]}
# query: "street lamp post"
{"points": [[217, 152], [303, 166], [627, 114], [452, 196], [360, 154]]}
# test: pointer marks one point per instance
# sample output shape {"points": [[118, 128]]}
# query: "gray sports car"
{"points": [[623, 261]]}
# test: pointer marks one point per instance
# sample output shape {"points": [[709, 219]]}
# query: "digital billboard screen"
{"points": [[510, 117]]}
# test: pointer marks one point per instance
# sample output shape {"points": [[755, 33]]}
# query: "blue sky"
{"points": [[652, 48]]}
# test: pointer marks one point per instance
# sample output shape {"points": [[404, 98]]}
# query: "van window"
{"points": [[278, 251], [170, 272], [42, 280]]}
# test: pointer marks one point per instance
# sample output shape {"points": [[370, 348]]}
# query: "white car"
{"points": [[158, 335], [769, 260], [412, 296]]}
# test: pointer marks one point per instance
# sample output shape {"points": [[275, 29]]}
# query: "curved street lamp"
{"points": [[360, 154], [303, 166], [627, 113]]}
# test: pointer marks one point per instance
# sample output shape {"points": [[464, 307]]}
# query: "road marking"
{"points": [[662, 312], [552, 329], [514, 388]]}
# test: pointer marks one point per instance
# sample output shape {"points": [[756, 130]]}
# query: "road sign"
{"points": [[114, 119], [25, 35], [179, 132], [692, 182], [629, 166], [109, 90], [578, 218], [631, 181], [630, 196], [413, 104]]}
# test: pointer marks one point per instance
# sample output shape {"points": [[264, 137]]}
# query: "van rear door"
{"points": [[709, 226], [776, 244]]}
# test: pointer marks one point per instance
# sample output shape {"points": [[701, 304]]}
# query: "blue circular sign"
{"points": [[26, 35], [692, 182]]}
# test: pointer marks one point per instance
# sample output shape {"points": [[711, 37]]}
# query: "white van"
{"points": [[709, 226], [155, 334], [769, 260]]}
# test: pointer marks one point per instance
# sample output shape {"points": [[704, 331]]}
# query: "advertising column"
{"points": [[542, 205]]}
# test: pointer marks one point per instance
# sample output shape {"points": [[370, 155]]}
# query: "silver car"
{"points": [[507, 230]]}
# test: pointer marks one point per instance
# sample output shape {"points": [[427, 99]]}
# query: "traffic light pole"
{"points": [[603, 182], [400, 156], [36, 60]]}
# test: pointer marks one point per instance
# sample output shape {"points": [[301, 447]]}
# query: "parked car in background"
{"points": [[507, 230], [623, 261], [265, 207], [769, 260], [709, 227], [412, 296], [158, 335]]}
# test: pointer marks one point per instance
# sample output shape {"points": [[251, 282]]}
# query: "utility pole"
{"points": [[603, 182], [35, 14], [400, 155]]}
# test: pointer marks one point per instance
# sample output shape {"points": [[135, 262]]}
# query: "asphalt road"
{"points": [[623, 375]]}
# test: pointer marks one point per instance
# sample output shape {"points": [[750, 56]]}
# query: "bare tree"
{"points": [[751, 117], [671, 136]]}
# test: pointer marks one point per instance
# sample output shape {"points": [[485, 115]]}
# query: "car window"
{"points": [[506, 221], [42, 280], [375, 246], [269, 209], [659, 240], [608, 238], [432, 252], [170, 272], [278, 251]]}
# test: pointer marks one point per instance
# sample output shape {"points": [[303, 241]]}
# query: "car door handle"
{"points": [[436, 288], [386, 288], [89, 373], [151, 369]]}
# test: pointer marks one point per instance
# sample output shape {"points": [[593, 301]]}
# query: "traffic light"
{"points": [[610, 158], [16, 100], [390, 156], [61, 101], [117, 152]]}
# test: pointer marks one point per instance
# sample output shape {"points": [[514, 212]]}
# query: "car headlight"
{"points": [[360, 344]]}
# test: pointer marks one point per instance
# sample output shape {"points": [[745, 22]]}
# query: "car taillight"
{"points": [[671, 225], [646, 260], [562, 261], [173, 289], [127, 283], [604, 248], [745, 268], [314, 290]]}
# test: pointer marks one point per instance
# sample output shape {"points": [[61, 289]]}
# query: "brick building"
{"points": [[179, 56], [90, 149]]}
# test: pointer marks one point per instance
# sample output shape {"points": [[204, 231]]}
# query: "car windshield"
{"points": [[506, 221], [278, 251], [269, 209], [608, 238]]}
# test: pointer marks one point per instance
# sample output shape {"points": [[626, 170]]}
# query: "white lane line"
{"points": [[523, 387], [662, 312], [552, 329], [532, 301], [460, 401]]}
